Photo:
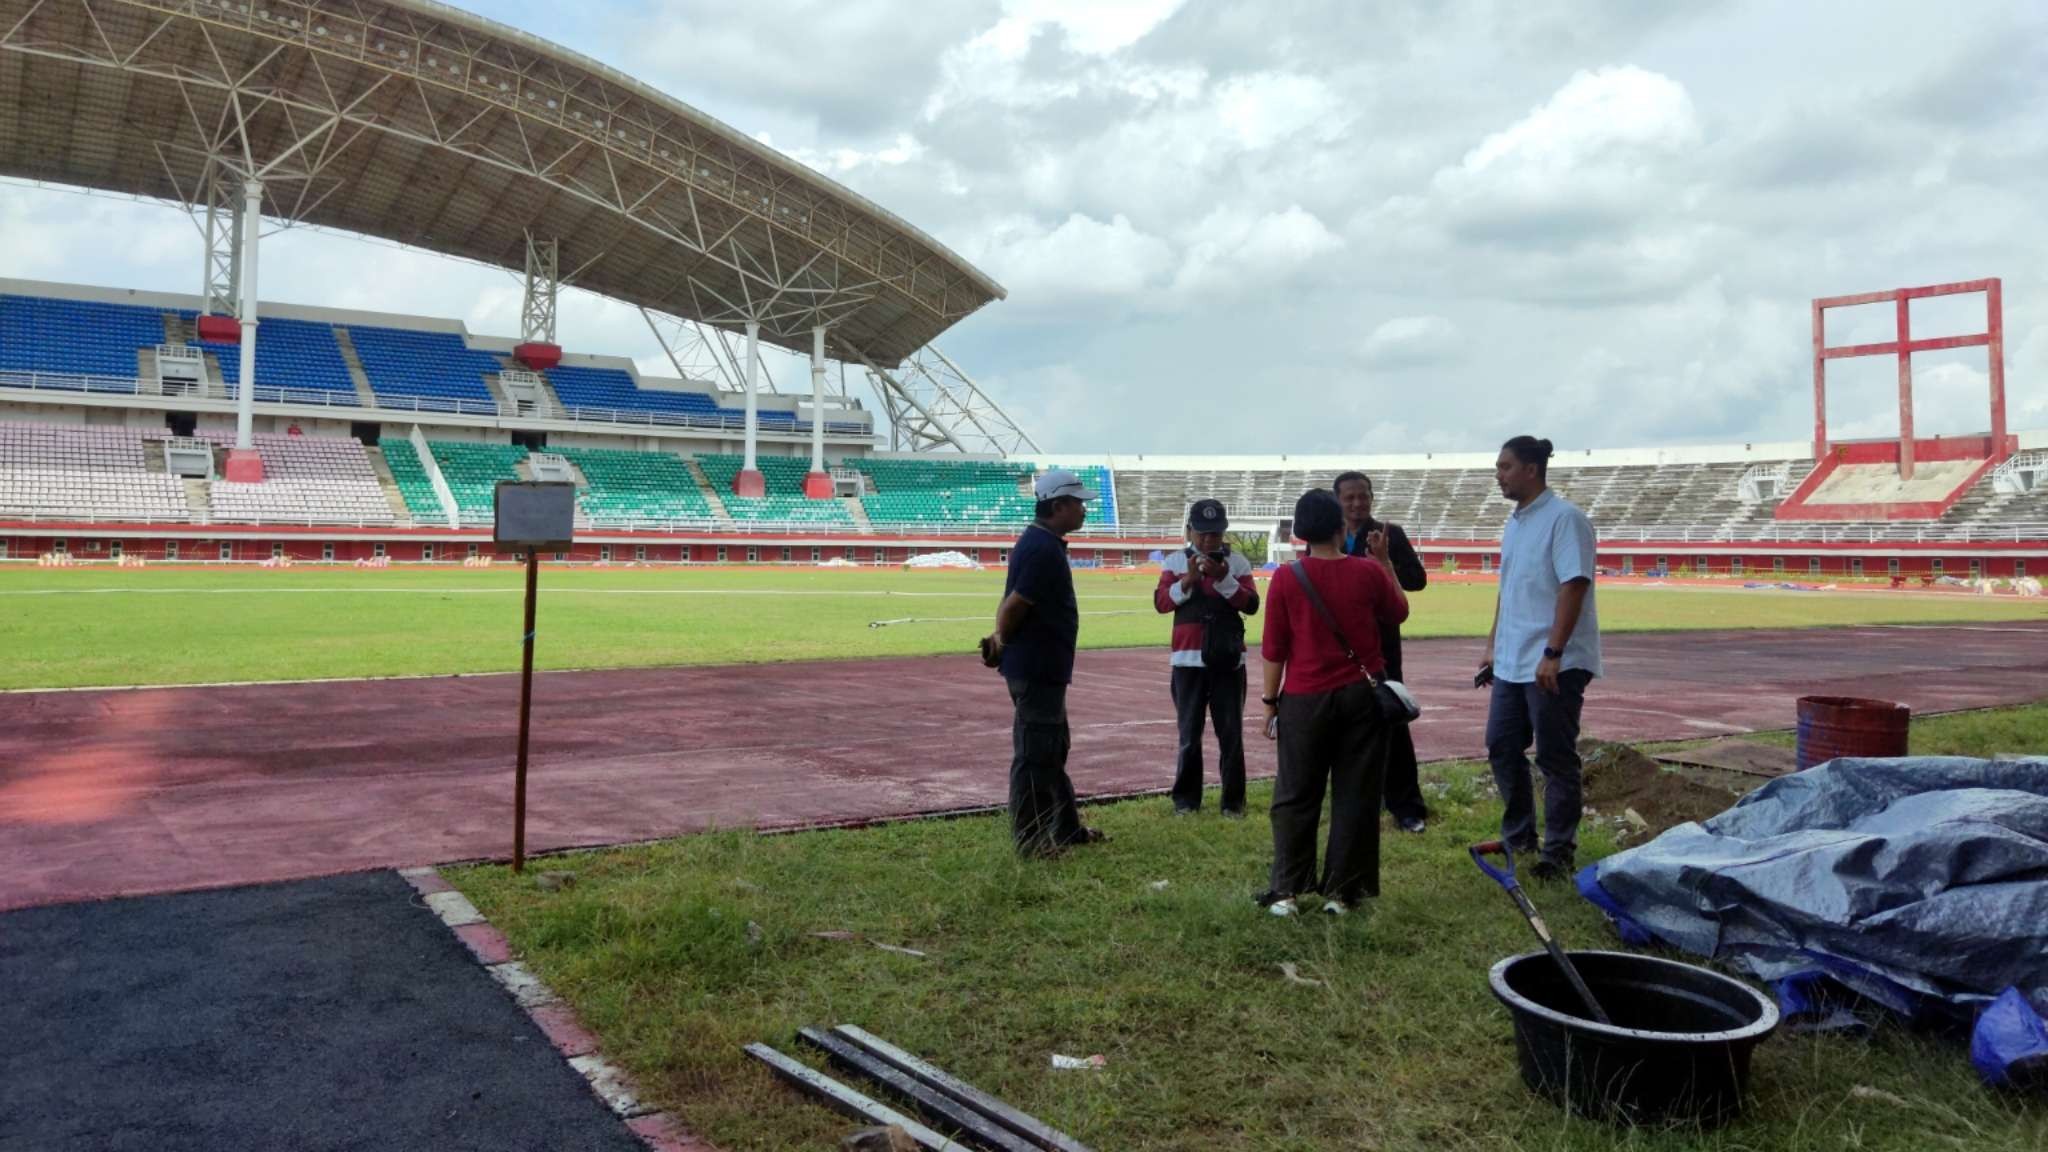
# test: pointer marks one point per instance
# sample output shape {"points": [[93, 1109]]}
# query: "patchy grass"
{"points": [[85, 626], [678, 953]]}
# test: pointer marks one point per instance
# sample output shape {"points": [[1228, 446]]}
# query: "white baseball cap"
{"points": [[1056, 482]]}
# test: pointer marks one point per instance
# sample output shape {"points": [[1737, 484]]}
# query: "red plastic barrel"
{"points": [[1831, 726]]}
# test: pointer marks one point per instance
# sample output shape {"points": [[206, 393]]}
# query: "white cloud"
{"points": [[1408, 340], [1411, 223], [1232, 250], [1091, 27], [1607, 147], [1080, 258]]}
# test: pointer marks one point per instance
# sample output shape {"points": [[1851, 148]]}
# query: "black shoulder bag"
{"points": [[1395, 702]]}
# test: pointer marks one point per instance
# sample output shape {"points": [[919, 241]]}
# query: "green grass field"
{"points": [[677, 954], [78, 627]]}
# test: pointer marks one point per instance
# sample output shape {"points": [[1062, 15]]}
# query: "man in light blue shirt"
{"points": [[1542, 652]]}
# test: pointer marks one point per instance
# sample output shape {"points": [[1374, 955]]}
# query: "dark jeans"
{"points": [[1404, 776], [1220, 695], [1043, 814], [1519, 713], [1334, 741]]}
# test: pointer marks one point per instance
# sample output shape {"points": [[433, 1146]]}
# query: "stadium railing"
{"points": [[324, 398]]}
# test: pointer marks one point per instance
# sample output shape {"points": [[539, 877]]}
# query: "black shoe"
{"points": [[1233, 813], [1412, 824], [1548, 870]]}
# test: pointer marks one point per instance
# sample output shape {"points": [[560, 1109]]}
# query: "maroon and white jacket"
{"points": [[1237, 592]]}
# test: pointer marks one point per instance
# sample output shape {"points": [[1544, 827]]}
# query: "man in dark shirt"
{"points": [[1403, 787], [1037, 626]]}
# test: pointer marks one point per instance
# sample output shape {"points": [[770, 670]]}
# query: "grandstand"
{"points": [[164, 420], [385, 423]]}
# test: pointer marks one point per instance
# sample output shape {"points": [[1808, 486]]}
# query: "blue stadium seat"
{"points": [[610, 389], [298, 355], [75, 336], [434, 370]]}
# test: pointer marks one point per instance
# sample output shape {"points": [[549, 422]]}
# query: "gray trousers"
{"points": [[1520, 713], [1334, 742], [1043, 814]]}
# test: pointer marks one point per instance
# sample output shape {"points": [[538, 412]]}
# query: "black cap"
{"points": [[1207, 516]]}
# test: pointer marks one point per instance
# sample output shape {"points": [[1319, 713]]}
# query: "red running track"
{"points": [[129, 791]]}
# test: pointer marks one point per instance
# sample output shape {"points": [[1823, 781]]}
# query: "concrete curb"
{"points": [[660, 1131]]}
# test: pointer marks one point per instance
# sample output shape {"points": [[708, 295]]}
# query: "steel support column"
{"points": [[244, 465], [818, 483], [1905, 315], [221, 231], [750, 482], [543, 286]]}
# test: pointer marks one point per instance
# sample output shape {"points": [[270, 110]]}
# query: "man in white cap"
{"points": [[1037, 626]]}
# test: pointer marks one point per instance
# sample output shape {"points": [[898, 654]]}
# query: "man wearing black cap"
{"points": [[1209, 590]]}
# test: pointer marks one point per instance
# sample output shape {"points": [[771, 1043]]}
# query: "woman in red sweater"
{"points": [[1320, 703]]}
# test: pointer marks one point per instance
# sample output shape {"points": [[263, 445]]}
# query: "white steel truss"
{"points": [[933, 406], [703, 353], [543, 285], [459, 135], [219, 219]]}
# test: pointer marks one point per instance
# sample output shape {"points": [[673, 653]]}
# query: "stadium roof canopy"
{"points": [[419, 123]]}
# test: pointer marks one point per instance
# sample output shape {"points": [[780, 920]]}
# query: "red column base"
{"points": [[244, 466], [219, 330], [749, 483], [818, 485]]}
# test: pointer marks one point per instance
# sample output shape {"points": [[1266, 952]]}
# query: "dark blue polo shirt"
{"points": [[1042, 651]]}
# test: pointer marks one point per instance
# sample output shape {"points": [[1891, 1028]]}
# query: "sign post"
{"points": [[532, 517]]}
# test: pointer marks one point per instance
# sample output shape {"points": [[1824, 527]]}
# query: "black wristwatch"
{"points": [[1270, 701], [1553, 654]]}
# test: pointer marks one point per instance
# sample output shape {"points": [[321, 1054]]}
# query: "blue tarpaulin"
{"points": [[1919, 883]]}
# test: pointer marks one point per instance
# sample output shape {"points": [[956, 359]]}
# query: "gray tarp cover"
{"points": [[1922, 873]]}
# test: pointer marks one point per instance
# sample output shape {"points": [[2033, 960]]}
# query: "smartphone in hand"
{"points": [[1484, 678]]}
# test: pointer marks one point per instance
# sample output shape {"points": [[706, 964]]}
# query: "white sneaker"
{"points": [[1282, 907], [1335, 908]]}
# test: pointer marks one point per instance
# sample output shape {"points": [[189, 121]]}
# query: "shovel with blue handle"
{"points": [[1506, 879]]}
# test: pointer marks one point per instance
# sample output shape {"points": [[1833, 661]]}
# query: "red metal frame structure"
{"points": [[1992, 338]]}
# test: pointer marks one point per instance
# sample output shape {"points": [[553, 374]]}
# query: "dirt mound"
{"points": [[1619, 779]]}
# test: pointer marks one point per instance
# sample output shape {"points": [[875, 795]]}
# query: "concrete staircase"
{"points": [[197, 502], [858, 513], [153, 457], [711, 494], [385, 481], [545, 402], [361, 379]]}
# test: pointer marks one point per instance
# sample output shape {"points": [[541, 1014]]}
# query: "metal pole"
{"points": [[1905, 321], [525, 716], [245, 403], [753, 388], [818, 398]]}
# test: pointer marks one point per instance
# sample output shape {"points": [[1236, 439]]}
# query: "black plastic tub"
{"points": [[1677, 1052]]}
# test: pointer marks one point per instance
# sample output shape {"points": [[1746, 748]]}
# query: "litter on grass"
{"points": [[1294, 975]]}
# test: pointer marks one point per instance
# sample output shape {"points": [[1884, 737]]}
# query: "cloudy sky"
{"points": [[1259, 226]]}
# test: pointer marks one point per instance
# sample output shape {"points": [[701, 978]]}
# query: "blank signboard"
{"points": [[535, 515]]}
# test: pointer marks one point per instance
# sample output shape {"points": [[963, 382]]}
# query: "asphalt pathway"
{"points": [[321, 1014]]}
